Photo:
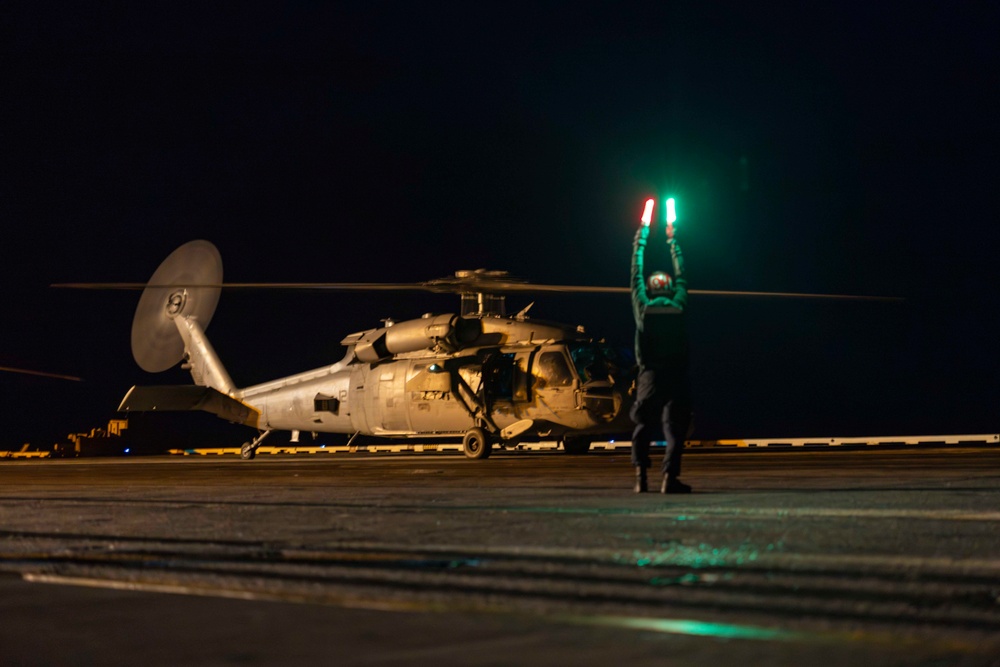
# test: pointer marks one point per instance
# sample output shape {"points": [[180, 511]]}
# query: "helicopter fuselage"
{"points": [[550, 375], [481, 375]]}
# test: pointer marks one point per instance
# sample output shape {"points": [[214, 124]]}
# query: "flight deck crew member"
{"points": [[662, 408]]}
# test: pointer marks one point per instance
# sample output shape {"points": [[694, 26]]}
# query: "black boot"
{"points": [[641, 485], [673, 485]]}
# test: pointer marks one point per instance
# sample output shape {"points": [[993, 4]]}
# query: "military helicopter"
{"points": [[479, 374], [491, 379]]}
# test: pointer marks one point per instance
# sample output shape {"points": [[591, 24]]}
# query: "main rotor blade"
{"points": [[458, 286], [798, 295], [315, 286], [25, 371], [593, 289]]}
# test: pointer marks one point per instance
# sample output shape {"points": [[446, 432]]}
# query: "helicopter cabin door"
{"points": [[433, 407], [388, 404], [357, 399], [553, 380], [506, 386]]}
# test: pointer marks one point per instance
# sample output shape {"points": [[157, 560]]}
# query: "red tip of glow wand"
{"points": [[647, 213]]}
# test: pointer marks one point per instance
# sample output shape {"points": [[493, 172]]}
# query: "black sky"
{"points": [[839, 149]]}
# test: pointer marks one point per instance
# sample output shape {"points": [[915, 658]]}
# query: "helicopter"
{"points": [[491, 379]]}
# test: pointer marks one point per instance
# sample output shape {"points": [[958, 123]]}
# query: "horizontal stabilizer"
{"points": [[183, 398]]}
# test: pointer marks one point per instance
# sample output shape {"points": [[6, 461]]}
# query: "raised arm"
{"points": [[680, 296], [638, 282]]}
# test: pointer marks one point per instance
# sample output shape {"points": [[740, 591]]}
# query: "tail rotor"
{"points": [[186, 284]]}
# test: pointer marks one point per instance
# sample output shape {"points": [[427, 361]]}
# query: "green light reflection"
{"points": [[702, 555], [692, 627]]}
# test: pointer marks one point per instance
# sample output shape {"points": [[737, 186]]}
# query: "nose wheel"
{"points": [[477, 444]]}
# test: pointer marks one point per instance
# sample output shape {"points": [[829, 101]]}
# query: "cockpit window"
{"points": [[551, 370], [601, 362]]}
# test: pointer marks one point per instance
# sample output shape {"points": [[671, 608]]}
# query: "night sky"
{"points": [[846, 149]]}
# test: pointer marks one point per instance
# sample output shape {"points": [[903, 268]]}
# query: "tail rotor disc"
{"points": [[187, 283]]}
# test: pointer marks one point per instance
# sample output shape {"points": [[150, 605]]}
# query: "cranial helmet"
{"points": [[659, 283]]}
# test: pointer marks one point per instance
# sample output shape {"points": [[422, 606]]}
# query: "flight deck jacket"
{"points": [[660, 329]]}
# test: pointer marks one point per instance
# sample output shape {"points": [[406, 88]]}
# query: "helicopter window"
{"points": [[520, 379], [324, 403], [503, 375], [600, 362], [551, 370]]}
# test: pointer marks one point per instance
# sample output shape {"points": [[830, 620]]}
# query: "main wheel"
{"points": [[576, 446], [477, 444]]}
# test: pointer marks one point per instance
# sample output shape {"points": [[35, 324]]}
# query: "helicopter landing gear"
{"points": [[249, 449], [576, 446], [477, 444]]}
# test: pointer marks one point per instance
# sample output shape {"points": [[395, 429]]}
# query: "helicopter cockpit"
{"points": [[551, 369], [601, 362]]}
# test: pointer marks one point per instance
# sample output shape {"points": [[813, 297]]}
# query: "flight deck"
{"points": [[830, 556]]}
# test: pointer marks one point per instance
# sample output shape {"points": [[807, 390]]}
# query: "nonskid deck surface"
{"points": [[831, 555]]}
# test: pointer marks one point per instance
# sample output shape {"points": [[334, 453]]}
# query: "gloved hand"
{"points": [[670, 232]]}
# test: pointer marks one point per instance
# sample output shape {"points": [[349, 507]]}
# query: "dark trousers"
{"points": [[662, 411]]}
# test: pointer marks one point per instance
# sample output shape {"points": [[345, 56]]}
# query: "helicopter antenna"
{"points": [[524, 312]]}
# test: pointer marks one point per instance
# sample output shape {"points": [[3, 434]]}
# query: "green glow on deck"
{"points": [[696, 556], [692, 627]]}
